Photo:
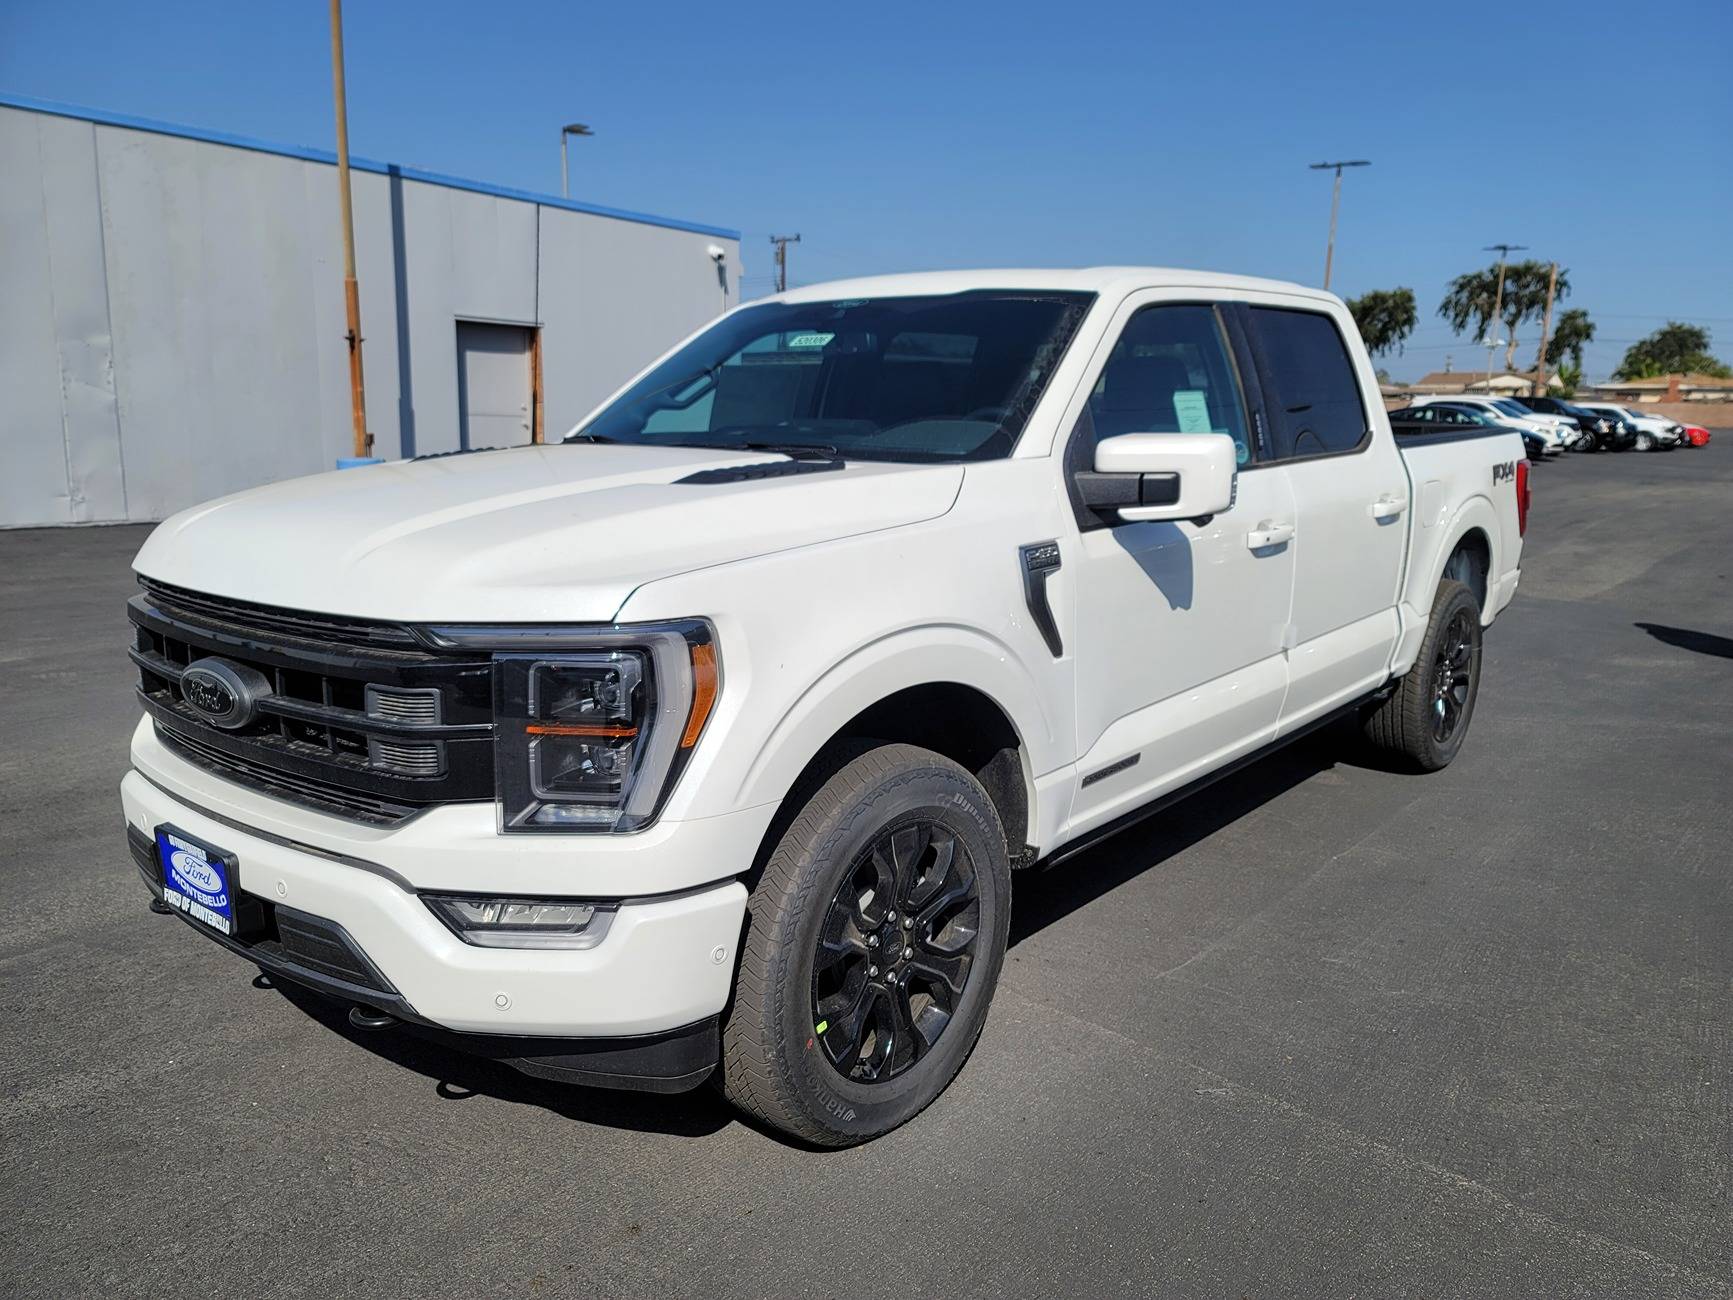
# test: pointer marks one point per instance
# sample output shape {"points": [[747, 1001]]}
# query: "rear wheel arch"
{"points": [[1470, 563]]}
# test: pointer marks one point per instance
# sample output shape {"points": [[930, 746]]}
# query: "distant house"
{"points": [[1666, 388], [1501, 383]]}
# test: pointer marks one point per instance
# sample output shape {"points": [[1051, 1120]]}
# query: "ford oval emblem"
{"points": [[196, 871], [223, 694]]}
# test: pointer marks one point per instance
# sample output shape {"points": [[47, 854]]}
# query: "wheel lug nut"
{"points": [[872, 970], [908, 922], [907, 953], [872, 941], [890, 916]]}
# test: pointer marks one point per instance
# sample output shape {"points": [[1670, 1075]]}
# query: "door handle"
{"points": [[1268, 533], [1387, 506]]}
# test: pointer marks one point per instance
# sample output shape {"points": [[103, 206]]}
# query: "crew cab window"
{"points": [[1313, 398], [1169, 372]]}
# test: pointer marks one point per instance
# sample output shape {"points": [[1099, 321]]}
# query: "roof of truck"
{"points": [[1089, 279]]}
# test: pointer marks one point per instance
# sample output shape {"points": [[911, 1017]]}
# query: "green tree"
{"points": [[1386, 317], [1570, 377], [1573, 331], [1468, 301], [1676, 348]]}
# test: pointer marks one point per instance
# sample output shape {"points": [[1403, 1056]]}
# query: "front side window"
{"points": [[932, 378], [1170, 372], [1316, 400]]}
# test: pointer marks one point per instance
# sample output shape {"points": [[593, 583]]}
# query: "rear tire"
{"points": [[874, 942], [1423, 723]]}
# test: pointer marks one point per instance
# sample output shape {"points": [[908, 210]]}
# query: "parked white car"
{"points": [[1654, 432], [707, 739], [1558, 432]]}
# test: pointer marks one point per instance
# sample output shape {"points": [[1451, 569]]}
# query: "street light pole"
{"points": [[1335, 205], [570, 128], [351, 291]]}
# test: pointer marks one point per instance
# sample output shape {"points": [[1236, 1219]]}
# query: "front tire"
{"points": [[1424, 722], [1645, 441], [874, 941]]}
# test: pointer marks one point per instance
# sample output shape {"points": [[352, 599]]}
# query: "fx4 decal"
{"points": [[1504, 473]]}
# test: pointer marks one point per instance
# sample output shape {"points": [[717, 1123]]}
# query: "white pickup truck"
{"points": [[708, 739]]}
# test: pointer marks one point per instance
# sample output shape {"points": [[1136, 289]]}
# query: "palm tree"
{"points": [[1385, 316], [1573, 331], [1470, 298]]}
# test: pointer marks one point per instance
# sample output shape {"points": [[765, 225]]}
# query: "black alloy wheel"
{"points": [[895, 951], [1450, 676]]}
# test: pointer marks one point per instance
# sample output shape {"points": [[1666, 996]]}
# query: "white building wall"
{"points": [[171, 312]]}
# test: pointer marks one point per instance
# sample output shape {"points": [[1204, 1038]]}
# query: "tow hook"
{"points": [[371, 1019]]}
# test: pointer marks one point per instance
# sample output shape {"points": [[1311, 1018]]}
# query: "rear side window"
{"points": [[1313, 397]]}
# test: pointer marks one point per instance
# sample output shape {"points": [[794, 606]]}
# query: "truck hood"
{"points": [[563, 532]]}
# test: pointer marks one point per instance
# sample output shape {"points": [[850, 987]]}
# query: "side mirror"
{"points": [[1143, 476]]}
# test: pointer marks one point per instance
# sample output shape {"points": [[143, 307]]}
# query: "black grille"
{"points": [[360, 719], [244, 615]]}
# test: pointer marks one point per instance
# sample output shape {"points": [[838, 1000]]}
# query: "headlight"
{"points": [[592, 725]]}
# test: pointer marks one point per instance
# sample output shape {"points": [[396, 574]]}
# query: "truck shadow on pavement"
{"points": [[1041, 898], [460, 1077], [1683, 638]]}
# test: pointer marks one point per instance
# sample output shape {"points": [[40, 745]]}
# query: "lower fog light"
{"points": [[521, 922]]}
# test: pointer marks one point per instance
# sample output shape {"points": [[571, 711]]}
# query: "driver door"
{"points": [[1179, 625]]}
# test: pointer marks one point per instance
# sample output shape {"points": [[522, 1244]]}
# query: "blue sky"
{"points": [[903, 137]]}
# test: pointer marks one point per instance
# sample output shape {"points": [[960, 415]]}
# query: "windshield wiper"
{"points": [[590, 437]]}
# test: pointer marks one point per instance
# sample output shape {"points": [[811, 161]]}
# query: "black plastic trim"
{"points": [[1432, 436], [760, 470], [1039, 559], [1112, 769]]}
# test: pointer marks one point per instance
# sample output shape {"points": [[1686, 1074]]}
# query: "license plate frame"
{"points": [[200, 880]]}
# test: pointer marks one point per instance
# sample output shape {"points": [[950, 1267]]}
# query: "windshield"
{"points": [[946, 377], [1511, 408]]}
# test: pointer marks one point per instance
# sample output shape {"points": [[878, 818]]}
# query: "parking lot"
{"points": [[1325, 1030]]}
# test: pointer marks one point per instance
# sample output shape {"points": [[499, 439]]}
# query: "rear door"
{"points": [[1351, 499]]}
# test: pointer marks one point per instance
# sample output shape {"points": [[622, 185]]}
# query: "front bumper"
{"points": [[665, 964]]}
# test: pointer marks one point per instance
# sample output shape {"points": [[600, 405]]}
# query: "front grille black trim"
{"points": [[329, 715], [311, 793], [315, 740], [245, 614]]}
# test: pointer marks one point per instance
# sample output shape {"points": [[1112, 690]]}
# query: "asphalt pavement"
{"points": [[1326, 1030]]}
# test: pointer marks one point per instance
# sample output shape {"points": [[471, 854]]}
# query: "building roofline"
{"points": [[127, 121]]}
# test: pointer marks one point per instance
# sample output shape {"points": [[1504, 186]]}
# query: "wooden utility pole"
{"points": [[351, 291], [1545, 332], [1504, 251], [782, 242]]}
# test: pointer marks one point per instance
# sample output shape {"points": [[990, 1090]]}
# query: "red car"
{"points": [[1696, 435]]}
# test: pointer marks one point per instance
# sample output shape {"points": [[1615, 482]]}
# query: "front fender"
{"points": [[917, 656]]}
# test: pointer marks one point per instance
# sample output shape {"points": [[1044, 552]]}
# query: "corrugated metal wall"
{"points": [[171, 312]]}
